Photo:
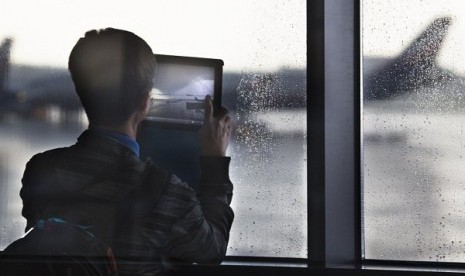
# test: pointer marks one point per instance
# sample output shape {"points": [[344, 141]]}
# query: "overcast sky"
{"points": [[390, 25], [244, 33]]}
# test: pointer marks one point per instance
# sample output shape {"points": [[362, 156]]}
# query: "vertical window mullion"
{"points": [[316, 151], [341, 133]]}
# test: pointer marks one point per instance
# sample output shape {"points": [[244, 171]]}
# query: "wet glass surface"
{"points": [[413, 123]]}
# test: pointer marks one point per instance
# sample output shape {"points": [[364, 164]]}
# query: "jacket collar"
{"points": [[100, 142]]}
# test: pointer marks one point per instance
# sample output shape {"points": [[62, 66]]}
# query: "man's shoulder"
{"points": [[52, 152], [47, 156], [42, 166]]}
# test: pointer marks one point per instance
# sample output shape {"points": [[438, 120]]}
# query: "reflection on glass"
{"points": [[263, 87], [413, 121]]}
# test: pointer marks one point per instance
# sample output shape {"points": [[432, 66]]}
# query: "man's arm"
{"points": [[203, 233]]}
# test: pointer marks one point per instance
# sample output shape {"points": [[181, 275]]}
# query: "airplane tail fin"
{"points": [[425, 47], [4, 63]]}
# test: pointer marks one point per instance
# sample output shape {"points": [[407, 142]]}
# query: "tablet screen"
{"points": [[179, 91]]}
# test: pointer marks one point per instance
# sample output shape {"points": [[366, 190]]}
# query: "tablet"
{"points": [[168, 135], [179, 89]]}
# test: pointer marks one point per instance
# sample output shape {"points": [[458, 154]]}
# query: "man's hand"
{"points": [[215, 131]]}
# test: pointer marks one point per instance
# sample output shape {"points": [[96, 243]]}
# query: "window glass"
{"points": [[263, 45], [413, 130]]}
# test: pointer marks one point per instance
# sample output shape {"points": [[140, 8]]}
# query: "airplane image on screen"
{"points": [[192, 102], [177, 106]]}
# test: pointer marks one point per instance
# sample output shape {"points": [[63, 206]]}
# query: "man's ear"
{"points": [[146, 103], [144, 106]]}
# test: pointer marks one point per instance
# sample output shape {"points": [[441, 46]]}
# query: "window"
{"points": [[413, 116], [263, 46]]}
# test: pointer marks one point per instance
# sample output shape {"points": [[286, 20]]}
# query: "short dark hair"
{"points": [[112, 71]]}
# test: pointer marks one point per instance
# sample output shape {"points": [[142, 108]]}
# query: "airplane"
{"points": [[415, 68], [411, 79]]}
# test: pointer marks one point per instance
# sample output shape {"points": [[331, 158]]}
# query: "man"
{"points": [[148, 216]]}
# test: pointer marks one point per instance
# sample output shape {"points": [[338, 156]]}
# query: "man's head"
{"points": [[112, 71]]}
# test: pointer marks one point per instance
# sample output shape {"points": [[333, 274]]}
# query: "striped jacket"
{"points": [[149, 217]]}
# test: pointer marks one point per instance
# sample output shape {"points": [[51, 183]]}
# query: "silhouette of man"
{"points": [[148, 216]]}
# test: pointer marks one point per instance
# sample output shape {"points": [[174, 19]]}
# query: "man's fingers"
{"points": [[222, 114], [227, 125], [227, 121], [208, 108]]}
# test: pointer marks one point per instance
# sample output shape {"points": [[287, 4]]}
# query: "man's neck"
{"points": [[126, 128]]}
